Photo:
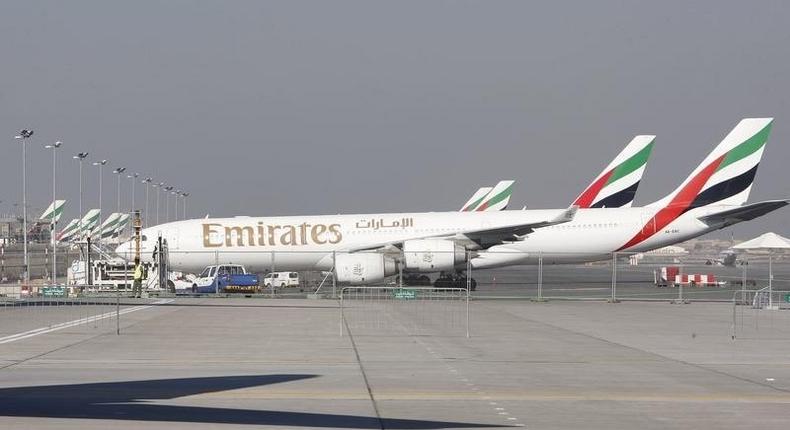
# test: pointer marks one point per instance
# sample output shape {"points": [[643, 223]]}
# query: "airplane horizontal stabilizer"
{"points": [[743, 213]]}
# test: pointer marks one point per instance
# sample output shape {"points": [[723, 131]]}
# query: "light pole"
{"points": [[133, 177], [178, 194], [147, 182], [99, 164], [168, 190], [24, 135], [184, 203], [79, 157], [119, 171], [54, 220], [158, 188]]}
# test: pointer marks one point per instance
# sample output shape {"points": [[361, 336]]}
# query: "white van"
{"points": [[281, 279]]}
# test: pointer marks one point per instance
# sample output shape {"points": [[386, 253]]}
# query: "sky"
{"points": [[325, 107]]}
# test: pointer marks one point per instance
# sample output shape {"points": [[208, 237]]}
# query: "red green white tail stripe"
{"points": [[616, 185], [90, 220], [498, 198], [476, 199], [109, 225], [123, 221], [724, 178], [68, 232], [54, 209]]}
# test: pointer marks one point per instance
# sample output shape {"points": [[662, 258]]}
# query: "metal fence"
{"points": [[404, 310], [440, 299], [535, 275], [84, 314], [752, 316]]}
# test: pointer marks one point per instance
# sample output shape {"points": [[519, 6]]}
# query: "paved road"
{"points": [[235, 363]]}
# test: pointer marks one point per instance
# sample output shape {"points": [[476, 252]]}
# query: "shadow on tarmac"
{"points": [[127, 401]]}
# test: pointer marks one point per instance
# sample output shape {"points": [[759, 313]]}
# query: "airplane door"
{"points": [[174, 255]]}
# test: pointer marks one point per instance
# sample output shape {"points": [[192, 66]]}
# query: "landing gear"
{"points": [[414, 280], [455, 280]]}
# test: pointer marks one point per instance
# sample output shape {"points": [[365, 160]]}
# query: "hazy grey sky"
{"points": [[272, 108]]}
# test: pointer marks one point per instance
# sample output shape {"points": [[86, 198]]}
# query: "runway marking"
{"points": [[504, 396], [61, 326]]}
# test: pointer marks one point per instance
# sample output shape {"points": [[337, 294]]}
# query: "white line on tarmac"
{"points": [[61, 326]]}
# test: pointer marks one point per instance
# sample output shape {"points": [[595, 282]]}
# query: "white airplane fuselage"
{"points": [[309, 242]]}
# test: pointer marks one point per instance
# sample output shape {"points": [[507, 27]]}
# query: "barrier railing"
{"points": [[535, 275], [415, 310]]}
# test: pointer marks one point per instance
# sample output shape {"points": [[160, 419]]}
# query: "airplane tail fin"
{"points": [[54, 210], [498, 198], [725, 176], [476, 199], [616, 185]]}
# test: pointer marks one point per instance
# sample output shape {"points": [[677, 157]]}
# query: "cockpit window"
{"points": [[143, 238]]}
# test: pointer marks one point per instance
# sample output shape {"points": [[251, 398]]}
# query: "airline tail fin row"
{"points": [[494, 198], [614, 187]]}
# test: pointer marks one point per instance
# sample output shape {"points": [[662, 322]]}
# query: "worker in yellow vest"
{"points": [[137, 286]]}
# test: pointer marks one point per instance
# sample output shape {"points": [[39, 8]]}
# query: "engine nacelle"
{"points": [[363, 268], [432, 255]]}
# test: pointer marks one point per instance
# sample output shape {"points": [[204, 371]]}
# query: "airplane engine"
{"points": [[432, 255], [362, 268]]}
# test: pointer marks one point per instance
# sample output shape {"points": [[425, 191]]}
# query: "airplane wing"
{"points": [[743, 213], [483, 238]]}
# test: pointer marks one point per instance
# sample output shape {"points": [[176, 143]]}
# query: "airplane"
{"points": [[712, 197], [368, 247], [615, 186]]}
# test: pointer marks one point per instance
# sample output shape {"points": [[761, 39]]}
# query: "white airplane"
{"points": [[366, 248], [711, 198]]}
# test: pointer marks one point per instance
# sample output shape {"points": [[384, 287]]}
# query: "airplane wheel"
{"points": [[443, 282], [194, 289]]}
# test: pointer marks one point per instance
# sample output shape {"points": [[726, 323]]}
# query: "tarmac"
{"points": [[205, 363]]}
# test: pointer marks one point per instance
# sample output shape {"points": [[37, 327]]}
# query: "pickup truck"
{"points": [[225, 278]]}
